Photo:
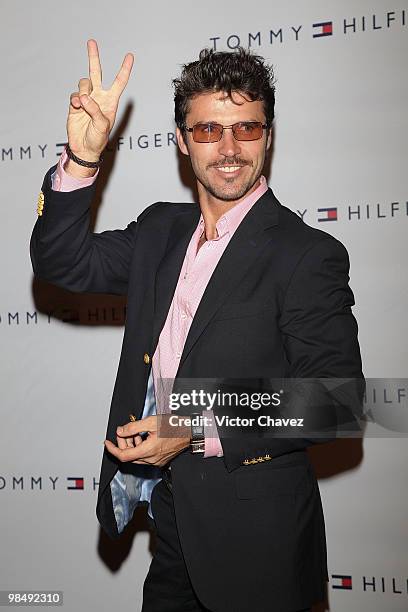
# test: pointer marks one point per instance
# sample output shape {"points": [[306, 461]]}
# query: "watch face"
{"points": [[197, 428]]}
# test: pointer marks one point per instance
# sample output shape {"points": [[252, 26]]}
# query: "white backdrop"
{"points": [[340, 142]]}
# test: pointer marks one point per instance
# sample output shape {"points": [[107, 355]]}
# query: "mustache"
{"points": [[231, 161]]}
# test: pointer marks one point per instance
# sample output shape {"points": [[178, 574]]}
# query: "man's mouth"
{"points": [[229, 169]]}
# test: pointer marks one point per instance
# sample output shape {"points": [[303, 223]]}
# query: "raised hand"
{"points": [[92, 109]]}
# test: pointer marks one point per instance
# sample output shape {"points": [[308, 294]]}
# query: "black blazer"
{"points": [[278, 304]]}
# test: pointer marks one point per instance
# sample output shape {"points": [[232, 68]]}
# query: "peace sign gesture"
{"points": [[92, 109]]}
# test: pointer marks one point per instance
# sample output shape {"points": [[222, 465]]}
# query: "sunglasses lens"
{"points": [[250, 130], [207, 132], [212, 132]]}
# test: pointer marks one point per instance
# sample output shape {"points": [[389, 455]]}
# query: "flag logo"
{"points": [[77, 483], [323, 29], [327, 214], [342, 582]]}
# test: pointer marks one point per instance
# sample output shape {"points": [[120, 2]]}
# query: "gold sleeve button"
{"points": [[40, 203], [146, 358], [257, 460]]}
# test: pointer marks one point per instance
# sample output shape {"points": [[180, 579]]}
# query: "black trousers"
{"points": [[167, 587]]}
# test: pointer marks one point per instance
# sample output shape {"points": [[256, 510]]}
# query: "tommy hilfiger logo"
{"points": [[19, 482], [327, 214], [356, 212], [76, 483], [322, 29], [135, 143], [342, 582], [347, 26], [370, 584]]}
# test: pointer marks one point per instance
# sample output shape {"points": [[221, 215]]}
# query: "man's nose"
{"points": [[229, 145]]}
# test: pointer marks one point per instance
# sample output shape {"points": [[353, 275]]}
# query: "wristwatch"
{"points": [[197, 444]]}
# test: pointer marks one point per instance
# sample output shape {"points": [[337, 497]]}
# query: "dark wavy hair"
{"points": [[227, 71]]}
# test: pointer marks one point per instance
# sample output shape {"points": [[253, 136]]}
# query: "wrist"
{"points": [[81, 164], [77, 171]]}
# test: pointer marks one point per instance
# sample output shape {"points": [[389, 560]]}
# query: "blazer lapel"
{"points": [[169, 269], [240, 254]]}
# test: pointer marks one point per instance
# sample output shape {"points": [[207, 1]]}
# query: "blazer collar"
{"points": [[240, 254]]}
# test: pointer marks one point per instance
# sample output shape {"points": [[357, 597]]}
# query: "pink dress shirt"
{"points": [[195, 274]]}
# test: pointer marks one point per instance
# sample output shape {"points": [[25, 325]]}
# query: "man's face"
{"points": [[228, 169]]}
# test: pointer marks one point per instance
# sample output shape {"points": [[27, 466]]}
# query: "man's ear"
{"points": [[181, 142], [269, 138]]}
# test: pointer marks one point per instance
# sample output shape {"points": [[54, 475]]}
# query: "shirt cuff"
{"points": [[212, 445], [62, 181]]}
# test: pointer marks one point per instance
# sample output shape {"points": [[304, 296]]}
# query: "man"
{"points": [[237, 287]]}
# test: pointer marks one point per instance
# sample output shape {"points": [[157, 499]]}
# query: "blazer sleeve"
{"points": [[320, 338], [66, 253]]}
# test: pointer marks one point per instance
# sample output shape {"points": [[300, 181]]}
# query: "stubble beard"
{"points": [[228, 192]]}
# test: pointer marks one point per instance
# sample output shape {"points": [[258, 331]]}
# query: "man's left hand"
{"points": [[155, 449]]}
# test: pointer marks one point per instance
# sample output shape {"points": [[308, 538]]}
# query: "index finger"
{"points": [[136, 427], [123, 75], [95, 70]]}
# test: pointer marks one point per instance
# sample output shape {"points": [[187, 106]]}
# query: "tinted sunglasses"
{"points": [[212, 132]]}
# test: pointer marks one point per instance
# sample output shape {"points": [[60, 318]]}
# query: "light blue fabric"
{"points": [[130, 489]]}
